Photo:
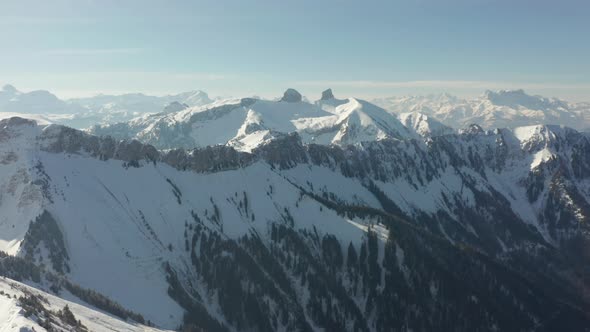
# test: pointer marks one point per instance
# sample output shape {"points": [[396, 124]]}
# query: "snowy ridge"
{"points": [[13, 317], [249, 123], [501, 109], [424, 125]]}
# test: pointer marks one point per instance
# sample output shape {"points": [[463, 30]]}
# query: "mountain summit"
{"points": [[291, 96], [327, 95]]}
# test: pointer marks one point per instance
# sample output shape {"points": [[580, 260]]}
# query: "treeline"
{"points": [[20, 269]]}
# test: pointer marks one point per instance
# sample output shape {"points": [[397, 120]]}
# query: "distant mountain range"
{"points": [[501, 109], [85, 112]]}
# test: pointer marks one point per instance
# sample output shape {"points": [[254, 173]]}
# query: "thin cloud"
{"points": [[199, 76], [114, 77], [91, 51], [441, 84], [88, 83], [37, 20]]}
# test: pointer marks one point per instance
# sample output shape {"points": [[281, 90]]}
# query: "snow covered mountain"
{"points": [[247, 123], [502, 109], [34, 102], [424, 125], [27, 309], [116, 108], [85, 112], [471, 231]]}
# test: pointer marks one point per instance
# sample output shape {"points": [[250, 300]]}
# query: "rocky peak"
{"points": [[195, 98], [327, 94], [472, 129], [291, 96]]}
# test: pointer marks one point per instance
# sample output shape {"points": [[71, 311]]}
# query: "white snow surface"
{"points": [[423, 125], [493, 109], [12, 318]]}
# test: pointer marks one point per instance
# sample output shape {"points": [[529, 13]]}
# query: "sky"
{"points": [[261, 47]]}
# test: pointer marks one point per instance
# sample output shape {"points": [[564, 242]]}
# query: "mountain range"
{"points": [[85, 112], [493, 109], [247, 123], [477, 230], [285, 215]]}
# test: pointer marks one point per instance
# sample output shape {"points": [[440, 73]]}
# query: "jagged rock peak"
{"points": [[327, 94], [291, 96], [472, 129]]}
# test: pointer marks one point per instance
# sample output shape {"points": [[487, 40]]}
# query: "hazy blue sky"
{"points": [[362, 48]]}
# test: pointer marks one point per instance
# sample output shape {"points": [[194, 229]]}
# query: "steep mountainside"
{"points": [[475, 231], [502, 109], [27, 309]]}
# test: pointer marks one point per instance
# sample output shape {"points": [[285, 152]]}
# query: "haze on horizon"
{"points": [[366, 49]]}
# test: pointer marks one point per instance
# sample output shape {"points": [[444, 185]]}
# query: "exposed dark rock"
{"points": [[291, 96], [327, 94]]}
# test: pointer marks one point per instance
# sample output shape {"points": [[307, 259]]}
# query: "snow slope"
{"points": [[424, 125], [12, 318]]}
